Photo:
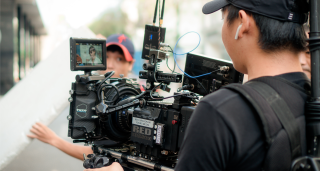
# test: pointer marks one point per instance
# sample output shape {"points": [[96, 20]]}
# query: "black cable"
{"points": [[105, 85], [166, 97], [137, 97], [128, 100], [106, 77], [153, 89]]}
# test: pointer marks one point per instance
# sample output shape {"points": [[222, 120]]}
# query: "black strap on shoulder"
{"points": [[238, 88], [280, 108], [283, 113]]}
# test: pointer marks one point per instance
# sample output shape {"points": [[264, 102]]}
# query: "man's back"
{"points": [[224, 132]]}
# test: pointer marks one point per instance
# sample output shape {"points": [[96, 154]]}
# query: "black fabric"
{"points": [[224, 132], [283, 10], [273, 100], [282, 111]]}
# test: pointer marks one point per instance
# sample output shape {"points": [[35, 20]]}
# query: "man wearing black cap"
{"points": [[264, 39]]}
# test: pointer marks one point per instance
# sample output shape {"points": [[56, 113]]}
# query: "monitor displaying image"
{"points": [[88, 54]]}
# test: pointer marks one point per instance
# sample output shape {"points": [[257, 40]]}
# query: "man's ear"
{"points": [[131, 63], [245, 21]]}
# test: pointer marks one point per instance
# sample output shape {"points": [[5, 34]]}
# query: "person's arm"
{"points": [[115, 166], [208, 143], [46, 135], [79, 59]]}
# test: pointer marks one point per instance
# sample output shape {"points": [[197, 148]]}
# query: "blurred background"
{"points": [[31, 31]]}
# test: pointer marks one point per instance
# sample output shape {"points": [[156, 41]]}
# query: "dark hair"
{"points": [[115, 48], [274, 35], [91, 48]]}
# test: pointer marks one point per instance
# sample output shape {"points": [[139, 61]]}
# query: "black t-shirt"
{"points": [[223, 133]]}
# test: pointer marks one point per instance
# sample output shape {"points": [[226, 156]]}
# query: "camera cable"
{"points": [[106, 85], [174, 55], [107, 76], [190, 77]]}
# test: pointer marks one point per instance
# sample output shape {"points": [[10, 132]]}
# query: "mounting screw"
{"points": [[70, 99], [69, 117], [148, 85], [121, 75], [155, 126], [154, 137], [71, 92]]}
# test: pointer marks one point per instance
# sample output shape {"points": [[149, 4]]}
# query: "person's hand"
{"points": [[43, 133], [115, 166], [79, 60]]}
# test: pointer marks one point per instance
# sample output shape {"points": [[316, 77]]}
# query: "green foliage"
{"points": [[110, 22]]}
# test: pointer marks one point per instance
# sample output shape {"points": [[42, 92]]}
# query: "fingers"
{"points": [[41, 125], [35, 131], [37, 128], [32, 136]]}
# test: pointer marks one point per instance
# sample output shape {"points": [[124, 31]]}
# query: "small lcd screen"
{"points": [[89, 54]]}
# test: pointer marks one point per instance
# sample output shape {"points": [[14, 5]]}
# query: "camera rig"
{"points": [[140, 129]]}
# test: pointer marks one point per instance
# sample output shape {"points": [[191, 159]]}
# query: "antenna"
{"points": [[162, 11], [155, 14]]}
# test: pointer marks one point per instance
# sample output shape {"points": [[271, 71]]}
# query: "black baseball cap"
{"points": [[283, 10]]}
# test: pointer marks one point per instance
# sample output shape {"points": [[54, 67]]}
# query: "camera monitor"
{"points": [[87, 54], [222, 74]]}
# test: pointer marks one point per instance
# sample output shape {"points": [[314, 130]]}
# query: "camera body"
{"points": [[84, 122]]}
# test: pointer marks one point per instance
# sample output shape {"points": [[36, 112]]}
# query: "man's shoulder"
{"points": [[222, 97]]}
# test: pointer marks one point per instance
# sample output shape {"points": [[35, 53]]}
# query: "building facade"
{"points": [[21, 28]]}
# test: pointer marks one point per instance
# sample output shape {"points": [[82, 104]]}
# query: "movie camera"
{"points": [[139, 129], [136, 126]]}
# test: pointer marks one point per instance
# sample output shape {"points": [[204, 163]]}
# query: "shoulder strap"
{"points": [[280, 108]]}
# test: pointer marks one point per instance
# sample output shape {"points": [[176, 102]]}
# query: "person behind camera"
{"points": [[120, 53], [264, 40], [305, 57]]}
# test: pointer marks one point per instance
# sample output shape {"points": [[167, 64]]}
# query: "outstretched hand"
{"points": [[43, 133], [115, 166]]}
